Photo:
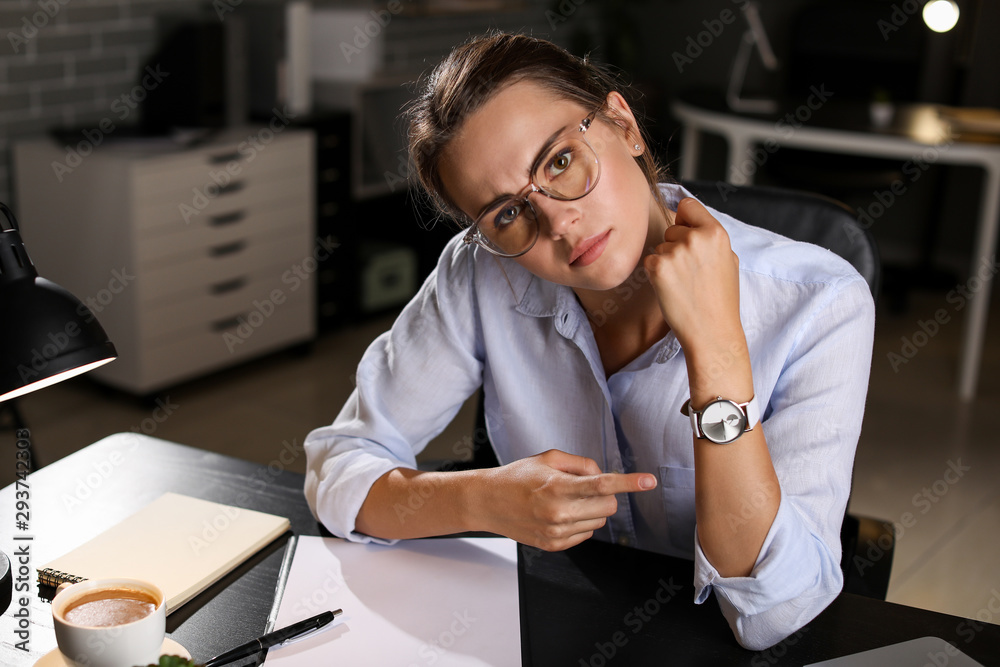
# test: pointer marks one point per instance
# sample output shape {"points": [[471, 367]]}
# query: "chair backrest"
{"points": [[798, 215]]}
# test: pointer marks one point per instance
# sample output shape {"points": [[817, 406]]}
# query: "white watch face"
{"points": [[723, 421]]}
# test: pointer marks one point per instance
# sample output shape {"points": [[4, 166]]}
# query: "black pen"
{"points": [[274, 638]]}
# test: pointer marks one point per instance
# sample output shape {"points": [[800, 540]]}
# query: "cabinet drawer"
{"points": [[269, 290], [179, 210], [168, 176], [215, 231], [182, 357], [225, 263]]}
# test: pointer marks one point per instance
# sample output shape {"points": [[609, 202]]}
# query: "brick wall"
{"points": [[67, 63], [63, 63]]}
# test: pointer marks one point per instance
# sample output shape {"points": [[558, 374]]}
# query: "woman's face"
{"points": [[592, 243]]}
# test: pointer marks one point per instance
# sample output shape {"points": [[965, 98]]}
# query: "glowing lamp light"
{"points": [[941, 15]]}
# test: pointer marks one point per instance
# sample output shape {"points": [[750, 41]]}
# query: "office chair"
{"points": [[867, 543], [830, 43]]}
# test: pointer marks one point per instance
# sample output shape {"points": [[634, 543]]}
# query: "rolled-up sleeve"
{"points": [[812, 424], [411, 382]]}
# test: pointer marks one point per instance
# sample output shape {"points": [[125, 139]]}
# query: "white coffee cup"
{"points": [[125, 645]]}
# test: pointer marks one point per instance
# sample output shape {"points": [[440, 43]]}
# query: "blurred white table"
{"points": [[915, 130]]}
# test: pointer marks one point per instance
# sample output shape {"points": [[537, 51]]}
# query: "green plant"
{"points": [[174, 661]]}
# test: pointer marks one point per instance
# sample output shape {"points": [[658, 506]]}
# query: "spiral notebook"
{"points": [[207, 540]]}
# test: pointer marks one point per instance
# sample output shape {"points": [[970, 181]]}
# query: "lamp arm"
{"points": [[9, 214], [752, 16]]}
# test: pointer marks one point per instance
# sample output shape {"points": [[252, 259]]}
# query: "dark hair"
{"points": [[478, 69]]}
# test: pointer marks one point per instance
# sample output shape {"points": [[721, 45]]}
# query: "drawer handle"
{"points": [[235, 186], [329, 209], [228, 323], [331, 175], [228, 286], [226, 218], [227, 249], [331, 141], [224, 157]]}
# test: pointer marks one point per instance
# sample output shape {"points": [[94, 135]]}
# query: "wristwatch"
{"points": [[722, 421]]}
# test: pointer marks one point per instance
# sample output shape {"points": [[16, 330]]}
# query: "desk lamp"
{"points": [[754, 36], [46, 335]]}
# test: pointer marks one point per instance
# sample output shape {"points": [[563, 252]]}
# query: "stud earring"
{"points": [[636, 147]]}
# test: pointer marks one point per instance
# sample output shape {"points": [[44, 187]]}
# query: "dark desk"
{"points": [[642, 607], [95, 488]]}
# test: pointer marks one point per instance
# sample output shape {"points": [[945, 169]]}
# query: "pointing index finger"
{"points": [[610, 484]]}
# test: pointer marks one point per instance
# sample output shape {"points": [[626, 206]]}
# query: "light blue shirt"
{"points": [[479, 320]]}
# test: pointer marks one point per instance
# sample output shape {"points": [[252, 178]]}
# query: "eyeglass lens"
{"points": [[568, 171]]}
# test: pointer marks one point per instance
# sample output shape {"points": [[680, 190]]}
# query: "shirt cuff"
{"points": [[794, 578], [336, 494]]}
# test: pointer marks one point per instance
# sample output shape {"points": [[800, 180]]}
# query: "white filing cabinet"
{"points": [[193, 259]]}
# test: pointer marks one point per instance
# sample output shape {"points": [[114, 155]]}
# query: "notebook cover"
{"points": [[181, 544]]}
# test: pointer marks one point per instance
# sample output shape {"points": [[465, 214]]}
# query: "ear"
{"points": [[622, 116]]}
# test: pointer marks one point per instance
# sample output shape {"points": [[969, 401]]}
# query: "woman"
{"points": [[594, 305]]}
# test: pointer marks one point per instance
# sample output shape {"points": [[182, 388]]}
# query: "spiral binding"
{"points": [[52, 577]]}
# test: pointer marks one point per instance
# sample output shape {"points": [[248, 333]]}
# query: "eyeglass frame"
{"points": [[475, 235]]}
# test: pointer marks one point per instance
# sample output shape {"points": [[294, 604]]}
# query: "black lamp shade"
{"points": [[46, 334]]}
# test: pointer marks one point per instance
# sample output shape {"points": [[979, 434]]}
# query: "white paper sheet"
{"points": [[441, 602]]}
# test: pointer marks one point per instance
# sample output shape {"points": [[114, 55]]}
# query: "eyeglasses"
{"points": [[566, 170]]}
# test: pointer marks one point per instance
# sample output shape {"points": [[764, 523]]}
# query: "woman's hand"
{"points": [[696, 277], [695, 274], [553, 500]]}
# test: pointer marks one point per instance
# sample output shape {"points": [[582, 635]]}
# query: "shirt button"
{"points": [[624, 541]]}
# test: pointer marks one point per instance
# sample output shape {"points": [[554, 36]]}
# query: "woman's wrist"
{"points": [[720, 370]]}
